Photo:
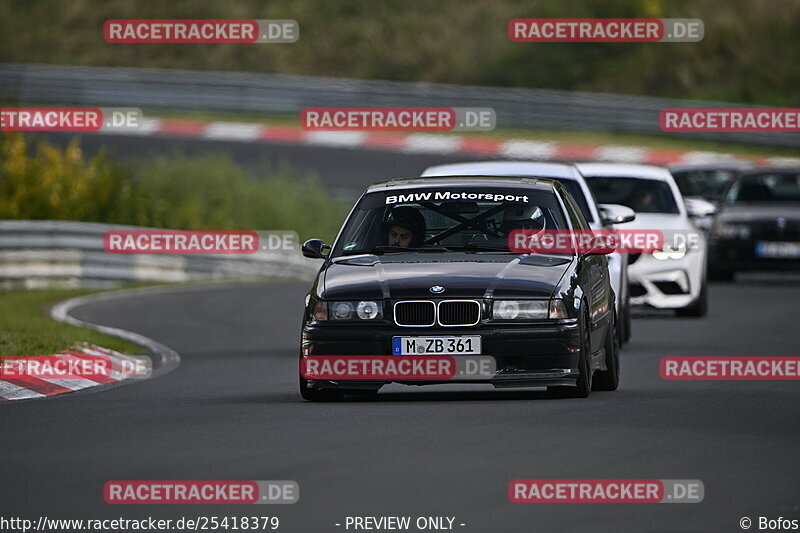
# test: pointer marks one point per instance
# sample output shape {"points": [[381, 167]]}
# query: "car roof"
{"points": [[472, 181], [624, 170], [505, 168]]}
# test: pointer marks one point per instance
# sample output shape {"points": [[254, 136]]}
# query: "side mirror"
{"points": [[616, 214], [315, 249], [697, 208], [602, 250]]}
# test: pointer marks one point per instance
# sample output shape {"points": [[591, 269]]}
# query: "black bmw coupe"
{"points": [[423, 268]]}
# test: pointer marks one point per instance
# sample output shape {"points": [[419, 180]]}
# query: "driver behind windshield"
{"points": [[405, 228], [523, 217]]}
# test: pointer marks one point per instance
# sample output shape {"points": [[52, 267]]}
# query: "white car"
{"points": [[598, 217], [675, 277]]}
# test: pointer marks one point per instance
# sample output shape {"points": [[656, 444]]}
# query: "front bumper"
{"points": [[669, 283], [526, 355], [740, 255]]}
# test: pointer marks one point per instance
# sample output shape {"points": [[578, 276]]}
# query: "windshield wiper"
{"points": [[482, 247], [379, 250]]}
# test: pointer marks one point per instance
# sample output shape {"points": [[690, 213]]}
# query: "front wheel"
{"points": [[626, 321], [318, 395], [719, 274], [365, 395], [608, 379], [697, 308], [584, 381]]}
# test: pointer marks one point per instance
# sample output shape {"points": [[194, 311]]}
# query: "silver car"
{"points": [[599, 216]]}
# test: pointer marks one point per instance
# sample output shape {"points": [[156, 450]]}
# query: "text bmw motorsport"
{"points": [[448, 195]]}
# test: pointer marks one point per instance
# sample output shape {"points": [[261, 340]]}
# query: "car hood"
{"points": [[747, 212], [401, 276], [658, 221], [674, 228]]}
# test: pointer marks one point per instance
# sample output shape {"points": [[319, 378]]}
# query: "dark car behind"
{"points": [[757, 227]]}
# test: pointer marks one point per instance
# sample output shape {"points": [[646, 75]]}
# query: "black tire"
{"points": [[717, 274], [626, 321], [318, 395], [699, 307], [583, 384], [366, 395], [608, 380]]}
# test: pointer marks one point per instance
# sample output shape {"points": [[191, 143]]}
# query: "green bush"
{"points": [[204, 193], [57, 184]]}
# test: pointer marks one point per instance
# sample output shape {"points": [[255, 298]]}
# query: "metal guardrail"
{"points": [[48, 253], [276, 93]]}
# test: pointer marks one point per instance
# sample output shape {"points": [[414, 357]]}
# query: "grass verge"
{"points": [[28, 329]]}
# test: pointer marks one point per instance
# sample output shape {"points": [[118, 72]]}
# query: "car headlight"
{"points": [[341, 310], [704, 222], [368, 310], [727, 230], [363, 310], [669, 252], [528, 309]]}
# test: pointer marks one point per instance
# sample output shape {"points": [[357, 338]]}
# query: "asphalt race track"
{"points": [[231, 411], [344, 170]]}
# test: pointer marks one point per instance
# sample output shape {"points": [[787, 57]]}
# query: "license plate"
{"points": [[466, 345], [778, 250]]}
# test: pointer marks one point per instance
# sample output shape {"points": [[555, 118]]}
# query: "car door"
{"points": [[598, 281]]}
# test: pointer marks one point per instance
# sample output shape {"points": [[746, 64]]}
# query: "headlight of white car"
{"points": [[669, 252]]}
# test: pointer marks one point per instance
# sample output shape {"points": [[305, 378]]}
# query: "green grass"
{"points": [[27, 328]]}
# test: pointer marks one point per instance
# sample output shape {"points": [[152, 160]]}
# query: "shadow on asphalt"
{"points": [[772, 279], [413, 397]]}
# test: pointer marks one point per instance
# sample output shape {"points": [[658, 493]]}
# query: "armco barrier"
{"points": [[274, 93], [48, 253]]}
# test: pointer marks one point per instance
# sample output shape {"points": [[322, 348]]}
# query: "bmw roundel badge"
{"points": [[437, 289]]}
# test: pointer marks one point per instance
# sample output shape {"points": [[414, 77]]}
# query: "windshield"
{"points": [[709, 183], [761, 188], [466, 219], [641, 195], [574, 188]]}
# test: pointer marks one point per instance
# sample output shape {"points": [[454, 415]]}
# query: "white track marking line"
{"points": [[9, 391], [234, 131], [528, 149]]}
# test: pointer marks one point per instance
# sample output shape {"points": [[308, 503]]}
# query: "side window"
{"points": [[574, 213]]}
